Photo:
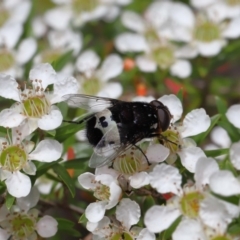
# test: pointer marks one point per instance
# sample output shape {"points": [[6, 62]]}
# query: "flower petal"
{"points": [[26, 50], [58, 18], [235, 155], [146, 64], [64, 85], [166, 178], [86, 180], [220, 182], [87, 61], [205, 167], [159, 218], [174, 105], [31, 200], [232, 30], [111, 90], [157, 153], [9, 87], [128, 212], [133, 21], [181, 69], [233, 114], [209, 49], [214, 214], [111, 67], [51, 120], [197, 117], [30, 168], [189, 157], [43, 72], [145, 234], [18, 184], [189, 229], [47, 226], [130, 42], [47, 150], [139, 180], [220, 137], [95, 211], [10, 118]]}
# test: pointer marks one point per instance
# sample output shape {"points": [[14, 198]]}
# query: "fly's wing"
{"points": [[90, 103], [107, 148], [110, 148]]}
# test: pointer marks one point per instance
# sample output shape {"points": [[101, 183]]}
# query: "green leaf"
{"points": [[83, 220], [180, 94], [52, 132], [67, 131], [68, 227], [44, 167], [9, 201], [234, 229], [62, 61], [78, 163], [221, 105], [65, 177], [200, 137], [231, 130], [168, 233], [217, 152]]}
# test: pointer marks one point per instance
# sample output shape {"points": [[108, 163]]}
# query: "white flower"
{"points": [[159, 52], [106, 190], [17, 57], [13, 17], [128, 214], [34, 107], [22, 222], [232, 115], [93, 80], [234, 153], [16, 155], [195, 122], [59, 43], [81, 12], [191, 201], [205, 34]]}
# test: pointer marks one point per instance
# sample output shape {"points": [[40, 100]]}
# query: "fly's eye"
{"points": [[164, 118], [163, 113], [157, 104]]}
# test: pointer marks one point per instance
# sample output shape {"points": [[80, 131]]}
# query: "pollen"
{"points": [[19, 225], [190, 203], [207, 31], [34, 102], [102, 192], [172, 140], [13, 158]]}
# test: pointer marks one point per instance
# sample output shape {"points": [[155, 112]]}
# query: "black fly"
{"points": [[113, 126]]}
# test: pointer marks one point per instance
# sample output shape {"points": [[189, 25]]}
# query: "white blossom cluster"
{"points": [[181, 193]]}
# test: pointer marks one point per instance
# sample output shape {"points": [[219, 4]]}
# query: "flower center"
{"points": [[36, 106], [6, 59], [13, 158], [163, 56], [84, 5], [130, 162], [4, 15], [172, 140], [190, 203], [220, 238], [20, 225], [233, 3], [151, 36], [50, 55], [121, 236], [91, 86], [207, 32], [102, 192]]}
